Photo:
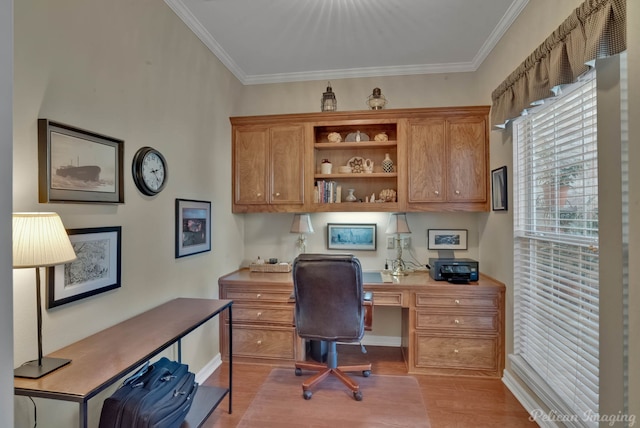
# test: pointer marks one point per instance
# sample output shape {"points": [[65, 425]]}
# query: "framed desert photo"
{"points": [[447, 239], [96, 270], [75, 165], [499, 188], [351, 236], [193, 227]]}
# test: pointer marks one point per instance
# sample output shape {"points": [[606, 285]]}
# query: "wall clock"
{"points": [[149, 170]]}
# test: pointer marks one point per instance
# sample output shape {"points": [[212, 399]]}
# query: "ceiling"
{"points": [[269, 41]]}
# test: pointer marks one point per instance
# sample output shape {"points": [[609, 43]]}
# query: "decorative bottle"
{"points": [[387, 163]]}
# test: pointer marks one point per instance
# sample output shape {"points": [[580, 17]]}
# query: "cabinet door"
{"points": [[251, 154], [467, 157], [287, 165], [426, 161]]}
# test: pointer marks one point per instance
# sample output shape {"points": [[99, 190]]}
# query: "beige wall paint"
{"points": [[134, 71]]}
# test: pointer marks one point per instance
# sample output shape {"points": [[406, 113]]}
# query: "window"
{"points": [[556, 293]]}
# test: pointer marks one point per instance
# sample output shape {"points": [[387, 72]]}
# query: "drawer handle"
{"points": [[259, 314], [457, 302], [437, 192], [277, 193], [457, 192], [259, 342], [455, 351], [457, 321], [258, 194], [258, 296]]}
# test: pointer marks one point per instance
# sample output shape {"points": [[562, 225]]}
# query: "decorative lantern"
{"points": [[329, 102], [376, 100]]}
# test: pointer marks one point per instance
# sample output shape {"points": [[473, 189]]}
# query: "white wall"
{"points": [[6, 144], [133, 71]]}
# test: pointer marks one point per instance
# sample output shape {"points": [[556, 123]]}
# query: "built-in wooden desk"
{"points": [[100, 360], [447, 329]]}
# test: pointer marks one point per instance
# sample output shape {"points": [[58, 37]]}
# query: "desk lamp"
{"points": [[40, 240], [301, 224], [398, 225]]}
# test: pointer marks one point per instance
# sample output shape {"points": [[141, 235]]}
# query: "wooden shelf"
{"points": [[356, 145], [362, 175]]}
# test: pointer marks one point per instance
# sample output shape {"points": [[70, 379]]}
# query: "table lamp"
{"points": [[301, 224], [40, 240], [398, 225]]}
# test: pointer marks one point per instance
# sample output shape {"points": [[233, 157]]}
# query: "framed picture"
{"points": [[351, 236], [96, 270], [75, 165], [193, 227], [447, 239], [499, 188]]}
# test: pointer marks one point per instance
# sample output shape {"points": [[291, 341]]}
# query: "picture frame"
{"points": [[447, 239], [96, 270], [193, 227], [361, 237], [499, 189], [75, 165]]}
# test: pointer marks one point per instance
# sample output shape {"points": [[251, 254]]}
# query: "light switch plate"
{"points": [[391, 242]]}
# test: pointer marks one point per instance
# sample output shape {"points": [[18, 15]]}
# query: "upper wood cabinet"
{"points": [[268, 168], [440, 156]]}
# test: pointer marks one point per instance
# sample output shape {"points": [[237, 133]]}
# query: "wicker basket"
{"points": [[267, 267]]}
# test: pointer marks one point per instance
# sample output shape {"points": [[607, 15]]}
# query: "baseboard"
{"points": [[527, 400], [209, 368]]}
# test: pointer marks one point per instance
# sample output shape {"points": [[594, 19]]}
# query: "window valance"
{"points": [[596, 29]]}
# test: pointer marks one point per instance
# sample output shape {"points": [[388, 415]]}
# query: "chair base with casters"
{"points": [[331, 368]]}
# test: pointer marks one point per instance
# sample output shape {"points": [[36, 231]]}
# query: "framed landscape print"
{"points": [[96, 270], [447, 239], [193, 227], [351, 236], [75, 165]]}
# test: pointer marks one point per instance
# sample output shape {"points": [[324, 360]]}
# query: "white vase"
{"points": [[387, 163], [351, 197]]}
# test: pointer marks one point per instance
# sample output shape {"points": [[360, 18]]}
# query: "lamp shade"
{"points": [[398, 224], [301, 224], [39, 239]]}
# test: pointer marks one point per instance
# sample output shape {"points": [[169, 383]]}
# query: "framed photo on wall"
{"points": [[351, 236], [96, 270], [447, 239], [499, 189], [193, 227], [75, 165]]}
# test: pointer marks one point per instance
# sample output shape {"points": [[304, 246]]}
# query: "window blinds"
{"points": [[556, 252]]}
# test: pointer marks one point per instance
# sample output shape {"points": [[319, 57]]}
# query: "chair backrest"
{"points": [[329, 297]]}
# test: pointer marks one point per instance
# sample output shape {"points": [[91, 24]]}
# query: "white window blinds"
{"points": [[556, 252]]}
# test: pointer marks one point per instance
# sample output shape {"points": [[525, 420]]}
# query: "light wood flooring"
{"points": [[450, 401]]}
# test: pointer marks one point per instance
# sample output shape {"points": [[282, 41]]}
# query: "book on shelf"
{"points": [[327, 192]]}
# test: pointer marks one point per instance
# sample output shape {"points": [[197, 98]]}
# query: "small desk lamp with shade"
{"points": [[301, 224], [40, 240], [398, 225]]}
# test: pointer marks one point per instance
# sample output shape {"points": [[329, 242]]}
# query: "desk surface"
{"points": [[101, 359]]}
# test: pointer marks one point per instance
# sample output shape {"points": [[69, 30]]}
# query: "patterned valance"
{"points": [[596, 29]]}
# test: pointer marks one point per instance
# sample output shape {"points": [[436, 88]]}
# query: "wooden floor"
{"points": [[450, 401]]}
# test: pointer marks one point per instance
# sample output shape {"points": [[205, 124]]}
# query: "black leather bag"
{"points": [[157, 396]]}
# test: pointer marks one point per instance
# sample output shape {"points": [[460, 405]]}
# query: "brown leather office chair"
{"points": [[329, 307]]}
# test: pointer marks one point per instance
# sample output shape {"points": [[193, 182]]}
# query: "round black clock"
{"points": [[149, 170]]}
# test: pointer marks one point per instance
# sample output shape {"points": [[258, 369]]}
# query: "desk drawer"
{"points": [[472, 353], [387, 298], [456, 321], [257, 295], [264, 342], [264, 314], [462, 300]]}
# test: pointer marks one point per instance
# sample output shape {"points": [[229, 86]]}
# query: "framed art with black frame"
{"points": [[96, 270], [75, 165], [351, 236], [447, 239], [193, 227], [499, 188]]}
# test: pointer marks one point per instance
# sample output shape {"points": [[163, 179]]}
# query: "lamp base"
{"points": [[398, 268], [32, 370]]}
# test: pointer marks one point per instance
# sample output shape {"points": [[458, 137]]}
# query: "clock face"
{"points": [[149, 170]]}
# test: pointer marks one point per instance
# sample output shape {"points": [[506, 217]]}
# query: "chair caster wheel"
{"points": [[357, 395], [298, 371], [307, 395], [366, 373]]}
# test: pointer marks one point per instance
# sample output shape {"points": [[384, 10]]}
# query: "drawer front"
{"points": [[457, 300], [264, 314], [387, 298], [456, 321], [257, 295], [473, 353], [258, 342]]}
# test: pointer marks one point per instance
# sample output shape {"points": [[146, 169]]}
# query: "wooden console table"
{"points": [[102, 359]]}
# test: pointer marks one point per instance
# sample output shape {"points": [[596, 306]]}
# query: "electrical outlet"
{"points": [[406, 243], [391, 242]]}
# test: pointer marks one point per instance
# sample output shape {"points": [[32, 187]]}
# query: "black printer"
{"points": [[454, 270]]}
